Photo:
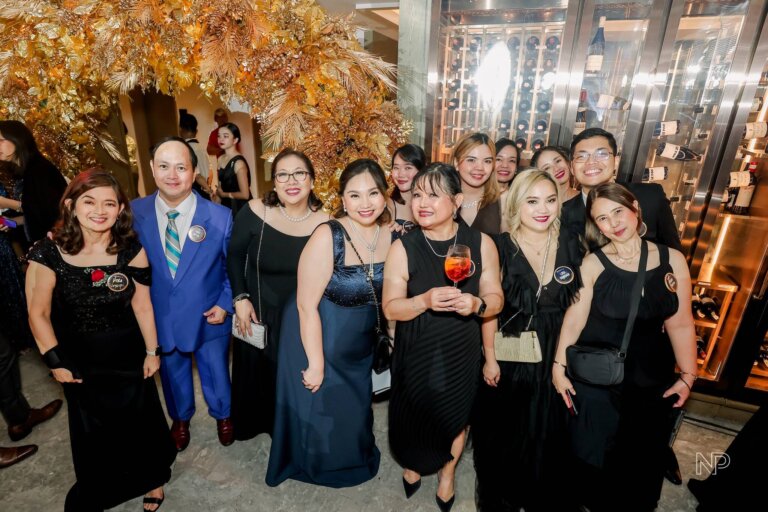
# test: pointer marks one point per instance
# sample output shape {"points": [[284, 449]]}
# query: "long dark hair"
{"points": [[415, 156], [613, 192], [26, 147], [271, 198], [361, 166], [68, 234], [557, 149]]}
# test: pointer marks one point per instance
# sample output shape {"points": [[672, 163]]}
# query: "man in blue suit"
{"points": [[186, 239]]}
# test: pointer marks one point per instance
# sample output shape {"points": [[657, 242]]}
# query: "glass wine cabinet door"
{"points": [[686, 103], [497, 74], [611, 44]]}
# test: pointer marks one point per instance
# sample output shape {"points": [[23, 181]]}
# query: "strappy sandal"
{"points": [[150, 500]]}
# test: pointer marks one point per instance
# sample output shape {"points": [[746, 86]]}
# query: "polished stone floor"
{"points": [[210, 477]]}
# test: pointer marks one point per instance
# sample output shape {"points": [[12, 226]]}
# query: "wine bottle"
{"points": [[675, 152], [527, 84], [655, 174], [541, 126], [454, 85], [522, 125], [596, 49], [701, 348], [700, 134], [504, 125], [581, 121], [530, 63], [543, 106], [745, 193], [757, 104], [755, 130], [696, 305], [521, 143], [457, 43], [549, 64], [552, 42], [606, 101], [532, 43], [453, 103], [456, 64], [475, 43], [525, 105], [537, 144], [710, 307], [664, 128], [513, 44]]}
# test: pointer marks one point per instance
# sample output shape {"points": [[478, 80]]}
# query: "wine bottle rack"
{"points": [[708, 329], [525, 115]]}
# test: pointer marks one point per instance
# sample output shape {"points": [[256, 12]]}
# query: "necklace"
{"points": [[622, 259], [433, 249], [537, 251], [471, 204], [371, 247], [295, 219]]}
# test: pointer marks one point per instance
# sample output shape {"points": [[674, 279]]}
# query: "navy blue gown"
{"points": [[326, 438]]}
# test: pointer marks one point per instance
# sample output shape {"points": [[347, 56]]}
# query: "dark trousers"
{"points": [[13, 405]]}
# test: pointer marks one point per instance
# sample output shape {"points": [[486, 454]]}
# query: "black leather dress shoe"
{"points": [[672, 472], [11, 455], [36, 416]]}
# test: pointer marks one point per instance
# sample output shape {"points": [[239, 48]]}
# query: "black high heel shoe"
{"points": [[445, 506], [411, 488]]}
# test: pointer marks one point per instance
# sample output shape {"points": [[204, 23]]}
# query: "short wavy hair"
{"points": [[67, 232], [271, 198], [518, 192], [612, 192]]}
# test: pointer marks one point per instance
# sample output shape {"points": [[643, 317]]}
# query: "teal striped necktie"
{"points": [[172, 244]]}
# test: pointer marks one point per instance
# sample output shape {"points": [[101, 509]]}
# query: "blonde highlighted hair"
{"points": [[518, 193], [467, 143]]}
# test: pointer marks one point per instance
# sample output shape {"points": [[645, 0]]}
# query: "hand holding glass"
{"points": [[459, 264]]}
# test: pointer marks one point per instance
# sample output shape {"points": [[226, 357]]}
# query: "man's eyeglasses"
{"points": [[284, 177], [600, 155]]}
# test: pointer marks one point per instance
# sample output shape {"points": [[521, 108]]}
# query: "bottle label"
{"points": [[670, 151], [756, 130], [757, 104], [594, 63], [669, 127], [739, 179], [744, 197], [655, 174], [579, 126]]}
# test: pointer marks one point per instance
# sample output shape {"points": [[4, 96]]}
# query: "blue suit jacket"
{"points": [[201, 279]]}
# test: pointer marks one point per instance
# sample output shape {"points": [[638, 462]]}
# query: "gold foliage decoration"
{"points": [[302, 73]]}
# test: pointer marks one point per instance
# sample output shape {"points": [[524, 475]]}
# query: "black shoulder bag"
{"points": [[605, 366]]}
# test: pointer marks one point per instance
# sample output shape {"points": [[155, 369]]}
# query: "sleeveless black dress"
{"points": [[519, 427], [254, 371], [121, 444], [621, 433], [228, 183], [326, 438], [436, 362]]}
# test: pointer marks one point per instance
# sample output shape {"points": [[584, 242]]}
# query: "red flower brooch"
{"points": [[98, 277]]}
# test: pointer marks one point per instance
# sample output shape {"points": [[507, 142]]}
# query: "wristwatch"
{"points": [[482, 307]]}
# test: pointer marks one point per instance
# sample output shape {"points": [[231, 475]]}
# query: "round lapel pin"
{"points": [[670, 281], [564, 275], [117, 282], [197, 233]]}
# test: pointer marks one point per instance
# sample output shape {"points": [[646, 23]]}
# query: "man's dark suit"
{"points": [[654, 207]]}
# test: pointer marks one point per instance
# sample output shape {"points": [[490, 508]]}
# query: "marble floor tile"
{"points": [[210, 477]]}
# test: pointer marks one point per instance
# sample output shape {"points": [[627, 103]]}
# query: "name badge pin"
{"points": [[564, 275], [197, 233], [117, 282]]}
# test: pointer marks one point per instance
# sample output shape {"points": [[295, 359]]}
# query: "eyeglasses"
{"points": [[600, 155], [284, 177]]}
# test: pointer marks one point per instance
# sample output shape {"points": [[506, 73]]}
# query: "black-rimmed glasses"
{"points": [[600, 155], [284, 177]]}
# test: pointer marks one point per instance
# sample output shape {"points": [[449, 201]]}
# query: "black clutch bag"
{"points": [[382, 352]]}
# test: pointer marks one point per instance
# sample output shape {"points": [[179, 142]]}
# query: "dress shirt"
{"points": [[186, 211]]}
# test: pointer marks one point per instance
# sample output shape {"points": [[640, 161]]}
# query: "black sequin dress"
{"points": [[519, 427], [121, 444], [12, 301]]}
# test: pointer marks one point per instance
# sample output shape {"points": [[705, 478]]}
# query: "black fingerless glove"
{"points": [[55, 359]]}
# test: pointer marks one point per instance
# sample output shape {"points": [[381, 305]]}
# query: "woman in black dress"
{"points": [[473, 156], [280, 224], [406, 162], [234, 176], [91, 315], [42, 185], [621, 432], [519, 423], [437, 356]]}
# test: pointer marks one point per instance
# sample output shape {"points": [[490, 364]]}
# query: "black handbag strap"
{"points": [[368, 277], [637, 290]]}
